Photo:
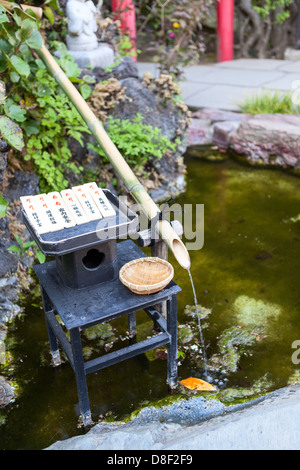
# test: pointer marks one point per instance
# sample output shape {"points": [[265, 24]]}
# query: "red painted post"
{"points": [[124, 11], [225, 19]]}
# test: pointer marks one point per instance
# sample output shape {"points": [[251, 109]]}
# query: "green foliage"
{"points": [[22, 248], [3, 206], [36, 102], [265, 7], [269, 103], [136, 141]]}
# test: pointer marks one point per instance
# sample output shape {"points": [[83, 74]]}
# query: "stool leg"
{"points": [[172, 347], [132, 324], [56, 361], [83, 396]]}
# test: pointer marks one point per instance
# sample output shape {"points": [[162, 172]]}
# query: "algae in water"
{"points": [[250, 311]]}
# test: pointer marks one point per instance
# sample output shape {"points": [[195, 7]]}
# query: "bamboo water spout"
{"points": [[133, 185]]}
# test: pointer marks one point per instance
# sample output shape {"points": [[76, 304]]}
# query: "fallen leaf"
{"points": [[197, 384]]}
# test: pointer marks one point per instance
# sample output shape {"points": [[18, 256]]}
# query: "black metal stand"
{"points": [[80, 309]]}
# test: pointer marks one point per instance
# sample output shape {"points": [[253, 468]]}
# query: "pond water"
{"points": [[247, 277]]}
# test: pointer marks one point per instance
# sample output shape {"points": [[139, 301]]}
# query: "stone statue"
{"points": [[82, 25], [82, 41]]}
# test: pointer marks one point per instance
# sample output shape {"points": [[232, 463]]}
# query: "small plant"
{"points": [[137, 142], [269, 103], [23, 247]]}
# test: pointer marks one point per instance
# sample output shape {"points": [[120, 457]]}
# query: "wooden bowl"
{"points": [[146, 275]]}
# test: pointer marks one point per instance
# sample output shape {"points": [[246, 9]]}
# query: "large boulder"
{"points": [[269, 139]]}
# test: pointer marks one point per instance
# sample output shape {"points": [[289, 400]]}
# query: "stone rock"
{"points": [[8, 264], [102, 57], [217, 115], [222, 131], [166, 118], [7, 393], [269, 139], [292, 54], [21, 184], [200, 132]]}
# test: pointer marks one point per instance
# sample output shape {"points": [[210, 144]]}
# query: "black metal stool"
{"points": [[82, 308]]}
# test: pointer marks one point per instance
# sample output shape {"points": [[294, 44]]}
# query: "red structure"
{"points": [[225, 18], [125, 12]]}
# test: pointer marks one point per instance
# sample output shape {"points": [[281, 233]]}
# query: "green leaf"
{"points": [[14, 249], [3, 16], [24, 33], [11, 133], [35, 41], [85, 91], [30, 127], [40, 256], [3, 206], [14, 76], [16, 113], [20, 66], [49, 14]]}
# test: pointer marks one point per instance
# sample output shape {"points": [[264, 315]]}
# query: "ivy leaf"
{"points": [[35, 41], [3, 206], [3, 16], [31, 127], [11, 133], [85, 91], [24, 33], [16, 113], [20, 66]]}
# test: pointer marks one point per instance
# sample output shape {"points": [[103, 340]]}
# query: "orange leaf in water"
{"points": [[197, 384]]}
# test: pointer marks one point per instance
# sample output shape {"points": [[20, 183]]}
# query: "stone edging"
{"points": [[265, 139]]}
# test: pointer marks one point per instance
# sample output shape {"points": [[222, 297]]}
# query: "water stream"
{"points": [[200, 328]]}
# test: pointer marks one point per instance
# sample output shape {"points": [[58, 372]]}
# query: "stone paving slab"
{"points": [[284, 83], [238, 77], [218, 96], [223, 85]]}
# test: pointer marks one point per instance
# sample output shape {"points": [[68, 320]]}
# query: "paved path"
{"points": [[269, 423], [225, 84]]}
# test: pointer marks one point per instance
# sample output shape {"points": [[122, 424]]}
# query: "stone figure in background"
{"points": [[82, 25], [82, 41]]}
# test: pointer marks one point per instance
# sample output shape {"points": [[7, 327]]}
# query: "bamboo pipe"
{"points": [[10, 6]]}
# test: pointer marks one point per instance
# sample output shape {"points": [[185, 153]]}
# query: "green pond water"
{"points": [[246, 275]]}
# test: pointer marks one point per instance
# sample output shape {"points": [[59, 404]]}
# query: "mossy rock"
{"points": [[185, 334], [233, 343], [197, 310], [102, 331]]}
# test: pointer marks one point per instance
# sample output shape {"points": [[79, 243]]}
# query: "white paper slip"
{"points": [[87, 202], [56, 200], [53, 218], [36, 218], [74, 206], [101, 200]]}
